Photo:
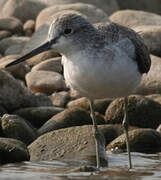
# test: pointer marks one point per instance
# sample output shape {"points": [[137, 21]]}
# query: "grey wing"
{"points": [[114, 32]]}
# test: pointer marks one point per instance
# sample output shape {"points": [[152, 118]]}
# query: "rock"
{"points": [[60, 99], [18, 71], [2, 3], [91, 12], [7, 42], [4, 34], [13, 95], [133, 18], [15, 127], [75, 142], [29, 27], [141, 140], [159, 129], [38, 38], [37, 116], [13, 50], [144, 5], [142, 112], [151, 36], [151, 82], [11, 24], [155, 97], [67, 118], [53, 64], [109, 6], [45, 81], [99, 105], [22, 9], [13, 150], [2, 111]]}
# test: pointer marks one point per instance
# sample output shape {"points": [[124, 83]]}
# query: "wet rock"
{"points": [[151, 82], [60, 99], [38, 38], [16, 127], [11, 24], [13, 150], [13, 50], [144, 5], [45, 81], [37, 116], [29, 27], [4, 34], [151, 36], [133, 18], [10, 41], [53, 64], [18, 71], [99, 105], [109, 6], [142, 112], [92, 13], [22, 9], [141, 140], [13, 95], [67, 118], [75, 142]]}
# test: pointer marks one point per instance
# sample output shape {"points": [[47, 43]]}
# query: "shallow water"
{"points": [[146, 167]]}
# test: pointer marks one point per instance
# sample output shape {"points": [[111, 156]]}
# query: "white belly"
{"points": [[98, 79]]}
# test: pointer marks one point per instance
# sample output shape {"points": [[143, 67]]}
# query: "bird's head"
{"points": [[64, 36]]}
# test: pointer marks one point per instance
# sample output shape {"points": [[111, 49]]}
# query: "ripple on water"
{"points": [[146, 167]]}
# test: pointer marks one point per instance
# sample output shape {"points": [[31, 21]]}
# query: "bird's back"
{"points": [[115, 33]]}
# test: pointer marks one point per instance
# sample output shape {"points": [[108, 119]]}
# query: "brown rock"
{"points": [[29, 27], [141, 140], [11, 24], [151, 82], [45, 81], [133, 18], [53, 64], [4, 34], [142, 112]]}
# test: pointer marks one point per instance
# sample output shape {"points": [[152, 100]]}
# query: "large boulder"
{"points": [[133, 18], [151, 82]]}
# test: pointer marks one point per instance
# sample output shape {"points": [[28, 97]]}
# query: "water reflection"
{"points": [[146, 167]]}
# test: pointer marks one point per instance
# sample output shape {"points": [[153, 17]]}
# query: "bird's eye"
{"points": [[67, 31]]}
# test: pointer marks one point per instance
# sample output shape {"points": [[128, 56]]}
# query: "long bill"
{"points": [[42, 48]]}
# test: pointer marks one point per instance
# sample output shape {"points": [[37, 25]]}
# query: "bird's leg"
{"points": [[96, 133], [125, 124]]}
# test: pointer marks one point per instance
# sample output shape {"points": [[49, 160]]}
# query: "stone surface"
{"points": [[151, 36], [13, 150], [18, 71], [22, 9], [91, 12], [53, 64], [60, 99], [159, 129], [75, 142], [13, 95], [29, 27], [144, 5], [142, 112], [67, 118], [4, 34], [7, 42], [11, 24], [133, 18], [37, 116], [151, 82], [109, 6], [15, 127], [141, 140], [99, 105], [45, 81]]}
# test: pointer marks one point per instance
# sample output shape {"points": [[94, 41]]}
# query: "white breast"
{"points": [[101, 78]]}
